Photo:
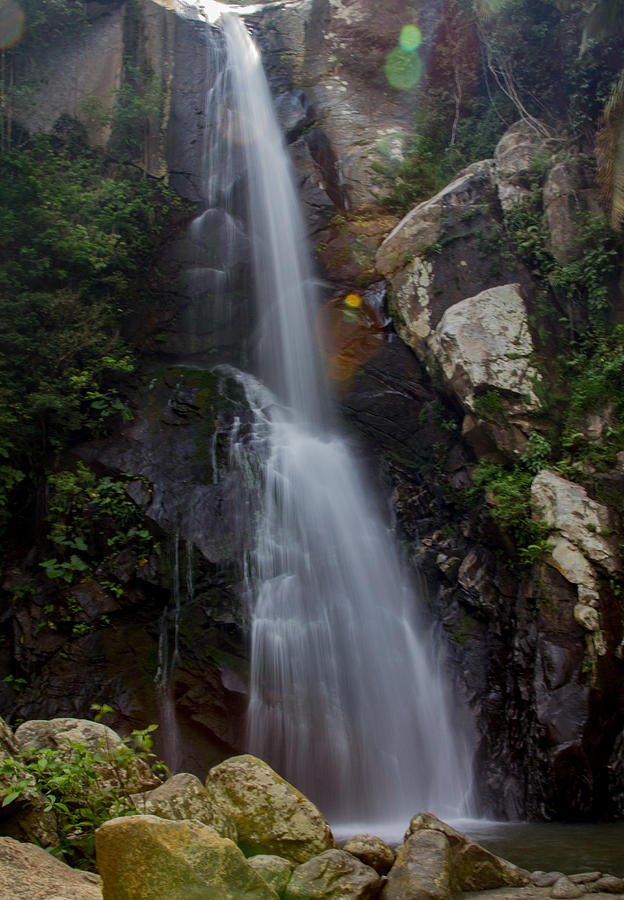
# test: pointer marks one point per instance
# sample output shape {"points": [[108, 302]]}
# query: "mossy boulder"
{"points": [[333, 875], [271, 816], [149, 858], [422, 870], [275, 870], [183, 796]]}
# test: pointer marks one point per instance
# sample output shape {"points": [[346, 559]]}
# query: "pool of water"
{"points": [[567, 848], [550, 846]]}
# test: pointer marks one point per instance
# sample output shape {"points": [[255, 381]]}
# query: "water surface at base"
{"points": [[567, 848]]}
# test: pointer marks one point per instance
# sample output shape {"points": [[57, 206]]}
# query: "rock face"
{"points": [[28, 872], [270, 815], [147, 858], [333, 875]]}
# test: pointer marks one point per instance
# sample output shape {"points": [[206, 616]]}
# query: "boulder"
{"points": [[148, 858], [61, 734], [270, 815], [434, 257], [371, 850], [28, 872], [473, 868], [482, 344], [183, 796], [275, 870], [333, 875], [564, 889], [422, 870]]}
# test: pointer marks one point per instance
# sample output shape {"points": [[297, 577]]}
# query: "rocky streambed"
{"points": [[244, 833]]}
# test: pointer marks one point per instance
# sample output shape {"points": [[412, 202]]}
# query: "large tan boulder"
{"points": [[28, 872], [271, 816], [473, 868], [183, 796], [422, 870], [60, 734], [148, 858], [333, 875]]}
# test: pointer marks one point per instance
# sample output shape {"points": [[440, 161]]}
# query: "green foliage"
{"points": [[82, 787], [90, 516], [508, 493], [79, 248]]}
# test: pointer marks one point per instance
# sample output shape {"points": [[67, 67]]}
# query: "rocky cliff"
{"points": [[452, 371]]}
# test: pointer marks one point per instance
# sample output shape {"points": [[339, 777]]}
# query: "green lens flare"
{"points": [[403, 70], [410, 38]]}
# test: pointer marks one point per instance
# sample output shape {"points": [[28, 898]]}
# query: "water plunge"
{"points": [[346, 699]]}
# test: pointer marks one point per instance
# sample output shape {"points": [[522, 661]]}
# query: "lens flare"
{"points": [[410, 38], [403, 70], [11, 23], [353, 300]]}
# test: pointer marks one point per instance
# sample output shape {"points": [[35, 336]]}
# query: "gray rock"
{"points": [[514, 154], [564, 889], [422, 870], [372, 851], [333, 875], [585, 877], [608, 884], [545, 879]]}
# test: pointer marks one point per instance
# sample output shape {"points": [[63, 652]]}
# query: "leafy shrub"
{"points": [[82, 788]]}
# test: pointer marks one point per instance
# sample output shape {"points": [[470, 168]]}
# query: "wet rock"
{"points": [[271, 816], [147, 858], [585, 877], [183, 796], [473, 868], [275, 870], [545, 879], [372, 851], [564, 889], [333, 875], [607, 884], [422, 870], [28, 872]]}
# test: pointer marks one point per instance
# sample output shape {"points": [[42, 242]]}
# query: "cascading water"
{"points": [[345, 698]]}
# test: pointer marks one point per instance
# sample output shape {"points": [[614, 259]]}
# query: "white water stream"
{"points": [[347, 701]]}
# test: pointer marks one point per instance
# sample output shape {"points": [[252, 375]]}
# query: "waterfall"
{"points": [[347, 700], [168, 651]]}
